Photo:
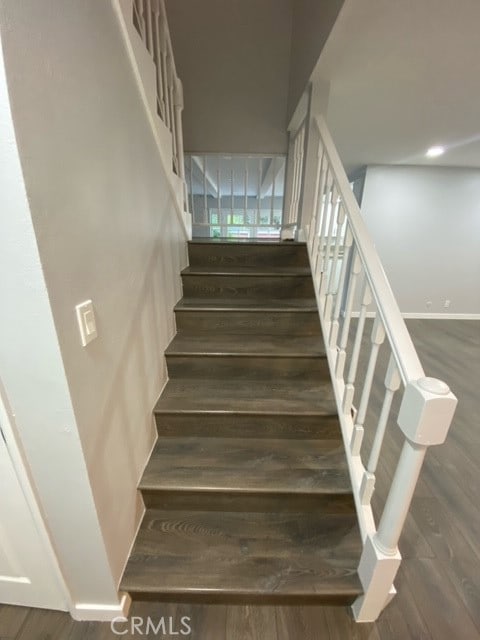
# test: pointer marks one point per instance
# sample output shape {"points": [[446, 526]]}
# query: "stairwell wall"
{"points": [[105, 229], [312, 22], [233, 58]]}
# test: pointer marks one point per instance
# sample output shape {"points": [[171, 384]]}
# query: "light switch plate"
{"points": [[86, 322]]}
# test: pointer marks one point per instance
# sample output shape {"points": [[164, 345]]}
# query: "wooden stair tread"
{"points": [[246, 344], [257, 397], [234, 270], [247, 464], [246, 304], [247, 491], [183, 554]]}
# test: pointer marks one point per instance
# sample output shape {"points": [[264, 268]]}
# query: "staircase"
{"points": [[247, 490]]}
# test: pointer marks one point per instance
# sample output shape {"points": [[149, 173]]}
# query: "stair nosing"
{"points": [[225, 308], [243, 274], [159, 488], [245, 354], [236, 412], [185, 592], [269, 243]]}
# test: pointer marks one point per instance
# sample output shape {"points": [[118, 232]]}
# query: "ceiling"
{"points": [[404, 76]]}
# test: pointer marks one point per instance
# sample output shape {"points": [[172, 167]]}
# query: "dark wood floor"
{"points": [[439, 581]]}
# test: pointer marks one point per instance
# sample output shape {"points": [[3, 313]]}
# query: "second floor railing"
{"points": [[235, 195], [352, 293]]}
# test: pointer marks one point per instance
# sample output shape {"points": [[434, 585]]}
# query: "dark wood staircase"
{"points": [[247, 490]]}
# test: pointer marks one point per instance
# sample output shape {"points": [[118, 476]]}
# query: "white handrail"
{"points": [[343, 257]]}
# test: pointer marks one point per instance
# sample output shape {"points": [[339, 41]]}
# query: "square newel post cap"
{"points": [[426, 411]]}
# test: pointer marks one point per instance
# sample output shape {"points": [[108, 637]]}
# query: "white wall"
{"points": [[106, 230], [37, 392], [233, 58], [426, 226], [311, 25]]}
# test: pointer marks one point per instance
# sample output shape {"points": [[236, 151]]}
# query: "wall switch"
{"points": [[86, 322], [446, 304]]}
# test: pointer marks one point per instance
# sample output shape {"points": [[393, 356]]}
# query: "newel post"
{"points": [[425, 416]]}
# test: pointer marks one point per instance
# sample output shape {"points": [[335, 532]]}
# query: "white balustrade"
{"points": [[150, 20], [350, 284]]}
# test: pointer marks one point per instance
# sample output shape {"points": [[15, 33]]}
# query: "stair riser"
{"points": [[248, 426], [285, 323], [238, 255], [248, 502], [247, 367], [218, 596], [255, 287]]}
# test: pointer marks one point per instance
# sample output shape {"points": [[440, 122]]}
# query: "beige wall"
{"points": [[233, 58], [311, 25], [106, 230]]}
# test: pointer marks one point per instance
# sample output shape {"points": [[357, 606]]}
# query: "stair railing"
{"points": [[144, 27], [350, 284], [150, 20]]}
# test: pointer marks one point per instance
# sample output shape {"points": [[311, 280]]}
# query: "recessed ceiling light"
{"points": [[434, 152]]}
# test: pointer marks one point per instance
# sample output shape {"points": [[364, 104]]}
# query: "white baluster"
{"points": [[273, 190], [320, 185], [326, 256], [392, 383], [299, 143], [205, 202], [331, 289], [259, 195], [341, 287], [320, 239], [321, 219], [178, 130], [246, 189], [312, 223], [366, 300], [163, 37], [219, 203], [232, 192], [191, 189], [342, 354], [171, 102], [139, 19], [147, 8], [377, 338], [324, 212], [157, 57], [294, 205]]}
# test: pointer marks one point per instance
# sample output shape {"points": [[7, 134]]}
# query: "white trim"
{"points": [[427, 316], [442, 316], [22, 470], [102, 612]]}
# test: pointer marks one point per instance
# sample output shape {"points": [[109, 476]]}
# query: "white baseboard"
{"points": [[428, 316], [102, 612], [442, 316]]}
